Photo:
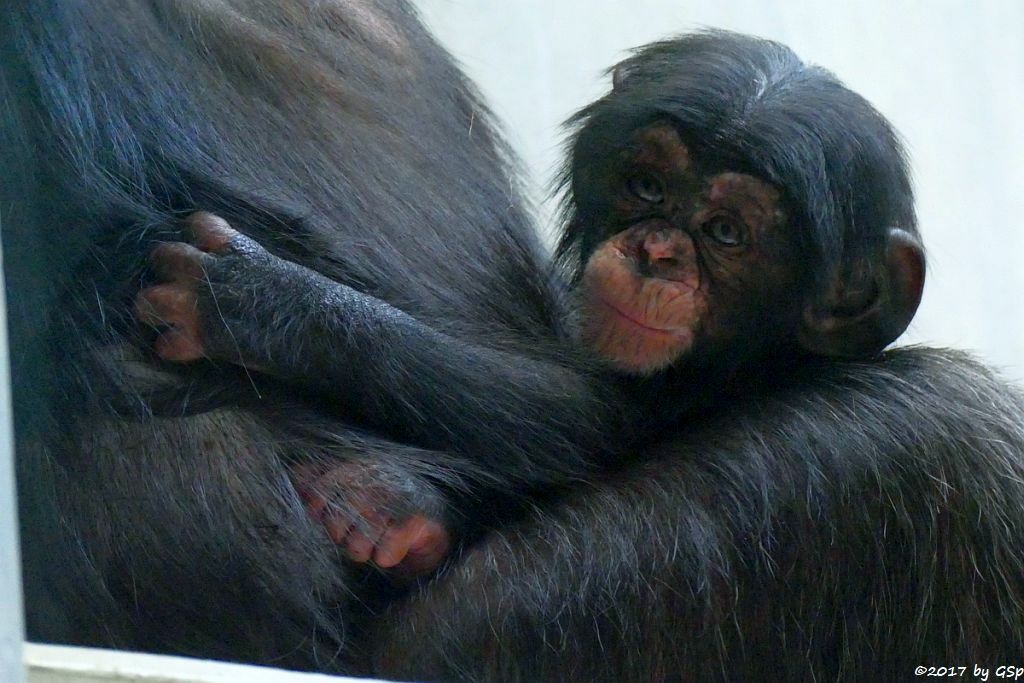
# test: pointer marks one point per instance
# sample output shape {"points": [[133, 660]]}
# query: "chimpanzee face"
{"points": [[691, 256]]}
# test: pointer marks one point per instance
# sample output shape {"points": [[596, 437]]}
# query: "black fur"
{"points": [[155, 506], [740, 103], [779, 528], [551, 417], [859, 521]]}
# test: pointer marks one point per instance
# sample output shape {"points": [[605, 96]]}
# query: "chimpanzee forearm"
{"points": [[529, 421]]}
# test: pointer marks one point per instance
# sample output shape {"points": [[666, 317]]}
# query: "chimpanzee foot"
{"points": [[187, 274], [368, 521]]}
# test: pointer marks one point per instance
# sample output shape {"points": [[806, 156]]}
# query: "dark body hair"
{"points": [[170, 524], [850, 526], [845, 520], [777, 529]]}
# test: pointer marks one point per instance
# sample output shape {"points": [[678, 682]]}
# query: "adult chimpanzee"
{"points": [[165, 492], [156, 505], [686, 268]]}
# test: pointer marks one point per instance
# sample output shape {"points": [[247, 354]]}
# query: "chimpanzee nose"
{"points": [[660, 245], [668, 254]]}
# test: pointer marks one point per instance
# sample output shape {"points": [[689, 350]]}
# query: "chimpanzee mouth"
{"points": [[672, 331]]}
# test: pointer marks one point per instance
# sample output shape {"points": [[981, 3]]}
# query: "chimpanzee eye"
{"points": [[725, 230], [647, 187]]}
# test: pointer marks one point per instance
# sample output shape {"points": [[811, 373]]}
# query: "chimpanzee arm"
{"points": [[530, 421]]}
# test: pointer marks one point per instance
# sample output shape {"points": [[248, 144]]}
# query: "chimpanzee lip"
{"points": [[674, 332]]}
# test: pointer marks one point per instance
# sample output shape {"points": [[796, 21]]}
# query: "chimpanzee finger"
{"points": [[336, 525], [416, 547], [365, 534], [427, 545], [167, 304], [358, 546], [177, 261], [394, 545], [179, 345], [316, 504], [213, 234]]}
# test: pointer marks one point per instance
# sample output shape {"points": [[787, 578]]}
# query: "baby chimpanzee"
{"points": [[730, 210]]}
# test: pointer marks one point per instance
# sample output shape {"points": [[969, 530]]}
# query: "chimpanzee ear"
{"points": [[861, 318]]}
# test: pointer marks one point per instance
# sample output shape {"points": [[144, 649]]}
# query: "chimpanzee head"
{"points": [[724, 196]]}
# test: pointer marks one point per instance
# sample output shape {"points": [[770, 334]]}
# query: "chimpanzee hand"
{"points": [[208, 292], [223, 296], [374, 515]]}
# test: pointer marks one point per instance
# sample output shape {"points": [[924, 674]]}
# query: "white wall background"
{"points": [[949, 75], [11, 626]]}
